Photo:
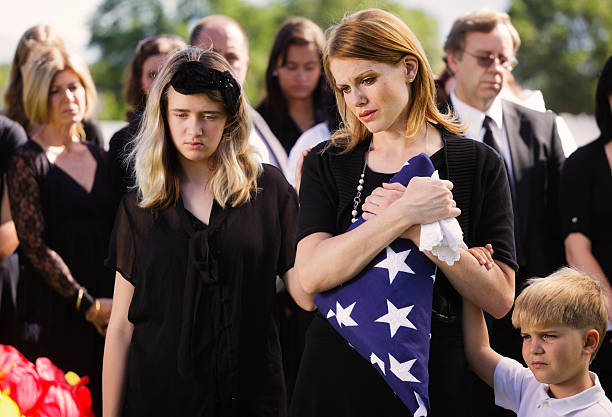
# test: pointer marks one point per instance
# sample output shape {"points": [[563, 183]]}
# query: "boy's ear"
{"points": [[591, 341]]}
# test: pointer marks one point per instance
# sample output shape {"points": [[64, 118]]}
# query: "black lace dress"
{"points": [[64, 233]]}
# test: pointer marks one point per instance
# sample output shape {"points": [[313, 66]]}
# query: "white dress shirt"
{"points": [[473, 119]]}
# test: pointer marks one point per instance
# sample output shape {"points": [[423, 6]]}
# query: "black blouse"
{"points": [[205, 340], [119, 148], [12, 136], [586, 200]]}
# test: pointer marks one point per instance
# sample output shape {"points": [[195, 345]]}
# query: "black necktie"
{"points": [[488, 138]]}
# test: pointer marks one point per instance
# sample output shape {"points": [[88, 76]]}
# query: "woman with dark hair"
{"points": [[586, 204], [151, 54], [297, 96], [36, 36], [385, 92], [61, 203], [197, 247]]}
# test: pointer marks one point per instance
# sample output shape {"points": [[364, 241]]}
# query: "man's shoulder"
{"points": [[547, 116]]}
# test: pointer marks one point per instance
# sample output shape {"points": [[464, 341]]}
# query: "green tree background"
{"points": [[564, 46], [118, 25]]}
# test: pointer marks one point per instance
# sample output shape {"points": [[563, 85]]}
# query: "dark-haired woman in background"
{"points": [[36, 36], [61, 203], [297, 96], [151, 54], [586, 208]]}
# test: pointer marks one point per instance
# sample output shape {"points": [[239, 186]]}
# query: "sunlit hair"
{"points": [[484, 21], [379, 36], [603, 113], [155, 158], [13, 96], [155, 45], [43, 65], [295, 31], [214, 20], [567, 297]]}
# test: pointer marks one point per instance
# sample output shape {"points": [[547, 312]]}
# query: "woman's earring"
{"points": [[410, 80], [275, 74]]}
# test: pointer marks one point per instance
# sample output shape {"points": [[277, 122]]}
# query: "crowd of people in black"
{"points": [[178, 269]]}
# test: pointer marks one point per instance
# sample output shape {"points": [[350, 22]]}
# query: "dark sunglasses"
{"points": [[485, 61]]}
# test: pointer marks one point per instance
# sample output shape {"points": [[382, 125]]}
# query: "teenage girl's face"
{"points": [[150, 68], [196, 125], [299, 77], [377, 93], [67, 99]]}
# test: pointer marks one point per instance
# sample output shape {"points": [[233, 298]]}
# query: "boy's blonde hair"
{"points": [[567, 297]]}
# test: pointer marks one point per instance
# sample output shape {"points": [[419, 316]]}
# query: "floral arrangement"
{"points": [[41, 390]]}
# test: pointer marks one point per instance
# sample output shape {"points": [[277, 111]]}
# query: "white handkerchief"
{"points": [[443, 238]]}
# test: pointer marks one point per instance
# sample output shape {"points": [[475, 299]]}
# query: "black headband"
{"points": [[193, 77]]}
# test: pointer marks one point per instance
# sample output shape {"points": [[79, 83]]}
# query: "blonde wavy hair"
{"points": [[379, 36], [43, 65], [154, 157]]}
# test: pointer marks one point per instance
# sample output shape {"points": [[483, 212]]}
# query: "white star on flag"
{"points": [[375, 360], [402, 370], [422, 410], [343, 315], [396, 318], [394, 263]]}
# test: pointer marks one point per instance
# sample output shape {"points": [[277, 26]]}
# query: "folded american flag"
{"points": [[385, 311]]}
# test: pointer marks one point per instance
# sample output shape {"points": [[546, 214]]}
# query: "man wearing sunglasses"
{"points": [[480, 52]]}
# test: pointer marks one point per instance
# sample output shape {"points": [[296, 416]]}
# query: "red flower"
{"points": [[9, 357], [42, 391], [58, 402], [50, 372], [19, 377]]}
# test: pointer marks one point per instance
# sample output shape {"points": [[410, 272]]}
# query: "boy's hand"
{"points": [[483, 255]]}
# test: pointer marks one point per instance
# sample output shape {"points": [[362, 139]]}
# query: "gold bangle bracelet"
{"points": [[79, 298]]}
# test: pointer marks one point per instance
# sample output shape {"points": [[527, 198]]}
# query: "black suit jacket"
{"points": [[537, 159]]}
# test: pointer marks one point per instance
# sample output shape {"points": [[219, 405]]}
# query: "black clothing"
{"points": [[93, 133], [586, 200], [586, 206], [204, 339], [285, 128], [12, 136], [63, 233], [330, 371], [118, 149]]}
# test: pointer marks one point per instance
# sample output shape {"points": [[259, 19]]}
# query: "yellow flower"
{"points": [[8, 408], [72, 378]]}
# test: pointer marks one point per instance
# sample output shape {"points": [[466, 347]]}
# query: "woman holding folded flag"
{"points": [[385, 93]]}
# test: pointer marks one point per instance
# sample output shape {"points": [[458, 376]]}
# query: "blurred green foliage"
{"points": [[4, 72], [118, 25], [564, 46]]}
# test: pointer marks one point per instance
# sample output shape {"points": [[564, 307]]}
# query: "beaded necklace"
{"points": [[357, 199]]}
